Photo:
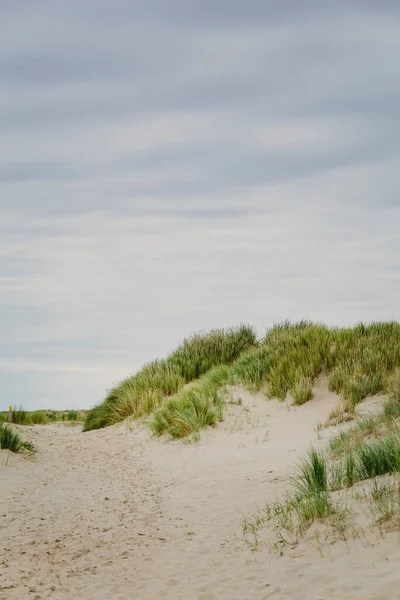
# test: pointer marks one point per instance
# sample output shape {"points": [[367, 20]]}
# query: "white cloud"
{"points": [[183, 175]]}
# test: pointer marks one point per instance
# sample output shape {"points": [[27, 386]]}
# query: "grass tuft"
{"points": [[302, 391], [313, 474], [10, 440]]}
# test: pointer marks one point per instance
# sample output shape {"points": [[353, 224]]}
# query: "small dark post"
{"points": [[10, 414]]}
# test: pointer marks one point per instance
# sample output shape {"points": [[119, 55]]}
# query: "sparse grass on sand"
{"points": [[359, 362], [10, 440], [365, 455]]}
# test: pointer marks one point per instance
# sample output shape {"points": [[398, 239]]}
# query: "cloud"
{"points": [[169, 167]]}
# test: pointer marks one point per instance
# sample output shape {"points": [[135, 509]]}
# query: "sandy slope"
{"points": [[112, 514]]}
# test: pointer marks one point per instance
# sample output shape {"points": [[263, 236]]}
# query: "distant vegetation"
{"points": [[42, 417], [187, 391]]}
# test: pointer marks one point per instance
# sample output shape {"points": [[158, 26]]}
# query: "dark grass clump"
{"points": [[10, 440], [379, 458], [313, 474]]}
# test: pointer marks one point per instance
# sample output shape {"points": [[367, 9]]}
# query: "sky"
{"points": [[171, 167]]}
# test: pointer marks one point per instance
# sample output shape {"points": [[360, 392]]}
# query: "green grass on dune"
{"points": [[144, 392], [192, 409], [359, 361]]}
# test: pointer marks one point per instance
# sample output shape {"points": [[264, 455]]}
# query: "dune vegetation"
{"points": [[328, 484], [143, 393], [187, 391], [11, 440], [20, 416]]}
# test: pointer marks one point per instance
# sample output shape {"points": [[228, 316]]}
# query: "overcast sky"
{"points": [[171, 166]]}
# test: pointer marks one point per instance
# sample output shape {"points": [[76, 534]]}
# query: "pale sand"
{"points": [[115, 515]]}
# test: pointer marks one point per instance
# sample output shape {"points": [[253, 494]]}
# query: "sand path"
{"points": [[113, 514]]}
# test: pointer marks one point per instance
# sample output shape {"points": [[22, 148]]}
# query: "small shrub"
{"points": [[72, 415]]}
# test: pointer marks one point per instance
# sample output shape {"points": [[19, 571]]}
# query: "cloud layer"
{"points": [[169, 167]]}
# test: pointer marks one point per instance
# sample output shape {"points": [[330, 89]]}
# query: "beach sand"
{"points": [[114, 514]]}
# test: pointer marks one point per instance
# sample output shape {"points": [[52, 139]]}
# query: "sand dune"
{"points": [[114, 514]]}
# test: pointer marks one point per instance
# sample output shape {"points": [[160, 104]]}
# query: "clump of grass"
{"points": [[184, 416], [302, 391], [37, 417], [311, 507], [20, 416], [72, 415], [361, 460], [192, 409], [360, 386], [391, 407], [10, 440], [297, 355], [313, 474], [379, 458]]}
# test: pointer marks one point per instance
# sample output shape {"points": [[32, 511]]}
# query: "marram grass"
{"points": [[10, 440], [359, 362], [144, 392]]}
